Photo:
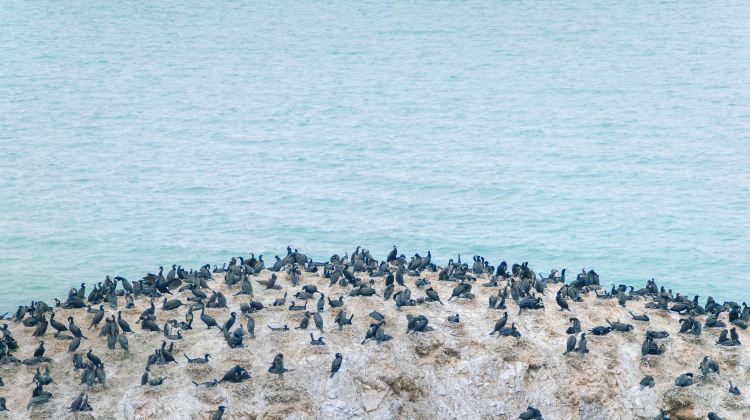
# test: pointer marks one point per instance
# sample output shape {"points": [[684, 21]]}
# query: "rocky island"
{"points": [[359, 337]]}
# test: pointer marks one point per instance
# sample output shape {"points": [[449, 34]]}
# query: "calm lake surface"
{"points": [[606, 135]]}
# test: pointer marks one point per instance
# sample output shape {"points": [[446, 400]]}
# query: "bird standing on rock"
{"points": [[500, 323], [218, 413], [208, 320], [570, 344], [277, 366], [336, 365], [433, 295], [39, 352], [561, 302]]}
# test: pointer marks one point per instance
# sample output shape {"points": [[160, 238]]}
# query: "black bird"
{"points": [[230, 322], [277, 366], [41, 327], [218, 413], [336, 365], [500, 323], [317, 341], [643, 317], [575, 328], [582, 344], [169, 305], [73, 346], [95, 360], [167, 354], [417, 323], [123, 340], [707, 365], [144, 377], [600, 330], [39, 352], [81, 403], [531, 413], [57, 325], [208, 320], [686, 379], [151, 310], [400, 278], [149, 324], [561, 302], [251, 326], [392, 255], [733, 389], [433, 295], [460, 289], [98, 316], [341, 319], [235, 374], [336, 303], [570, 344], [198, 360], [124, 326]]}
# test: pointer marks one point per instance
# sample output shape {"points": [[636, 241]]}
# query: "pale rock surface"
{"points": [[454, 371]]}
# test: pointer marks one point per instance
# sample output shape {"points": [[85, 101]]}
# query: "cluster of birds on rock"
{"points": [[364, 276]]}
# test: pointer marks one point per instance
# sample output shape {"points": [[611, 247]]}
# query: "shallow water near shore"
{"points": [[612, 136]]}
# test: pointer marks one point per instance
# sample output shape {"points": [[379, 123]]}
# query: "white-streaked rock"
{"points": [[456, 370]]}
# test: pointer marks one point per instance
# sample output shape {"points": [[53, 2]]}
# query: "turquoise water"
{"points": [[612, 135]]}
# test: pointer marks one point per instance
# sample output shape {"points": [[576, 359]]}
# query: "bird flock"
{"points": [[389, 280]]}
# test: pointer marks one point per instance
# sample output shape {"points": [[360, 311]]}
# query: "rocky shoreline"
{"points": [[445, 369]]}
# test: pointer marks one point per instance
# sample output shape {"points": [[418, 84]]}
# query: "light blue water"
{"points": [[612, 135]]}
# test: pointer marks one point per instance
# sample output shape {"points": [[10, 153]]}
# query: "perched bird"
{"points": [[208, 320], [500, 323], [432, 295], [570, 345], [582, 344], [216, 415], [95, 360], [124, 326], [277, 366], [39, 352], [686, 379], [531, 413], [98, 316], [336, 365], [561, 302]]}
